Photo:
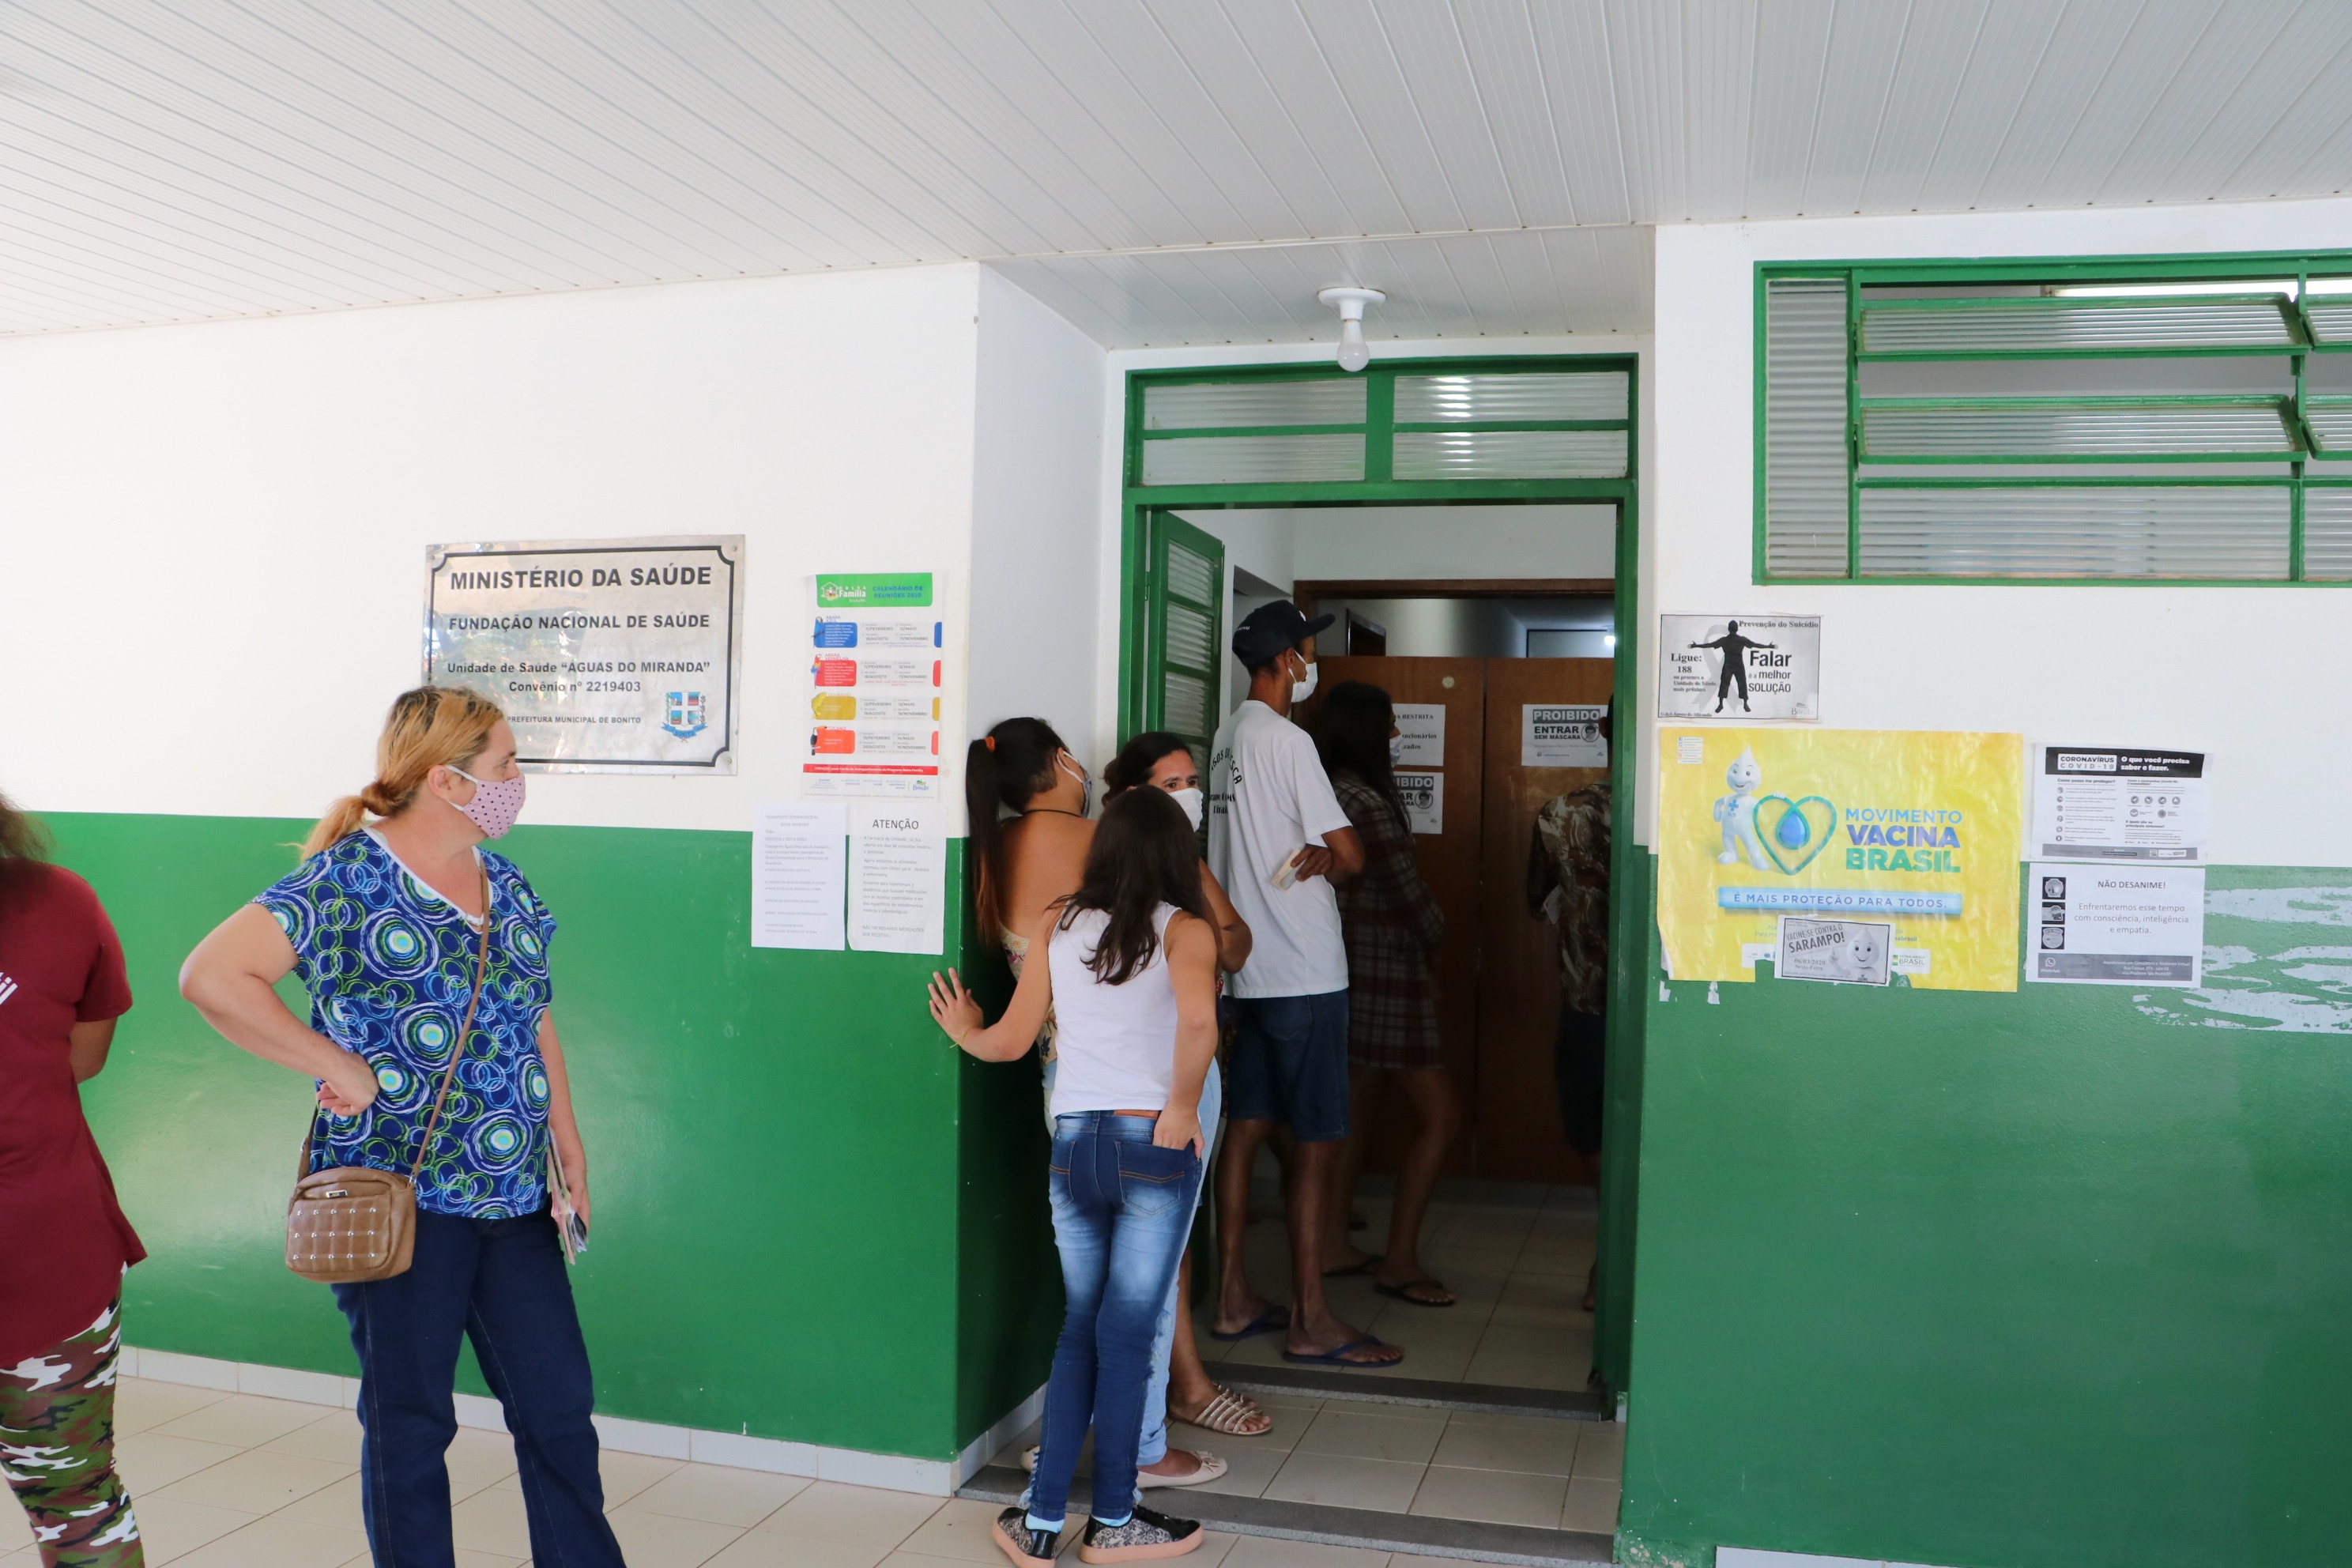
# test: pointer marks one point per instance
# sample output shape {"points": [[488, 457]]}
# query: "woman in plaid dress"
{"points": [[1391, 925]]}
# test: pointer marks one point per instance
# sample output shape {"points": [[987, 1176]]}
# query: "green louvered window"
{"points": [[2114, 420]]}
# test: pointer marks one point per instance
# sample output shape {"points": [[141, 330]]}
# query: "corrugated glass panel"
{"points": [[1183, 703], [1214, 404], [1253, 459], [2075, 326], [1190, 636], [2130, 530], [2328, 533], [2331, 319], [2330, 421], [2119, 428], [1428, 399], [1509, 455], [1190, 575], [1804, 427]]}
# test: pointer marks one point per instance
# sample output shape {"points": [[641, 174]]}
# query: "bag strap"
{"points": [[456, 1053]]}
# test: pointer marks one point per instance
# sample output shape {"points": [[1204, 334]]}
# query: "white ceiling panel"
{"points": [[175, 160], [1539, 283]]}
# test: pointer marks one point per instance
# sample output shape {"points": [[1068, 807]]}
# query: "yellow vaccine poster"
{"points": [[1919, 829]]}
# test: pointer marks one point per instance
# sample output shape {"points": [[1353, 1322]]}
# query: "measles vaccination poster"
{"points": [[607, 655], [877, 675], [1918, 829]]}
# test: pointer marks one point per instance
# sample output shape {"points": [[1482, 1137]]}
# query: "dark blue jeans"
{"points": [[501, 1283], [1122, 1212]]}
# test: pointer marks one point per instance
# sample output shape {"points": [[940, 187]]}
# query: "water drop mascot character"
{"points": [[1737, 813]]}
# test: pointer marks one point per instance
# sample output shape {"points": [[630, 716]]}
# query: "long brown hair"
{"points": [[1005, 771], [431, 727], [1143, 855], [24, 843]]}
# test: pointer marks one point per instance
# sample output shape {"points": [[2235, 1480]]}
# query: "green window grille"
{"points": [[2121, 419], [1183, 593], [1389, 424]]}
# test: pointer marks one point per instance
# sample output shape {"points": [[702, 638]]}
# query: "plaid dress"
{"points": [[1391, 924]]}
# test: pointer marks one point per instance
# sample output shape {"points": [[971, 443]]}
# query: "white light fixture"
{"points": [[1354, 352]]}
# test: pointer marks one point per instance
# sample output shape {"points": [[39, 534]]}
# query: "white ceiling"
{"points": [[1166, 171]]}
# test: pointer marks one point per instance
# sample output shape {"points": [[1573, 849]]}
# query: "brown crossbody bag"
{"points": [[355, 1224]]}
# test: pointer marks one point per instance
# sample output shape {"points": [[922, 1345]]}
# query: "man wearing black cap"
{"points": [[1278, 840]]}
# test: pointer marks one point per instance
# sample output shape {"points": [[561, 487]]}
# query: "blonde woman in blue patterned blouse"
{"points": [[383, 921]]}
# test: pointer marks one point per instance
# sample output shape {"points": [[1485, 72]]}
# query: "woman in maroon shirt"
{"points": [[64, 1243]]}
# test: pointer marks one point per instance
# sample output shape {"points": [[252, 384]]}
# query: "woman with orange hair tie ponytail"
{"points": [[384, 921]]}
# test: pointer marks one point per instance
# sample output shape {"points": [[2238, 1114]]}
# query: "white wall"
{"points": [[2235, 672], [1037, 633], [214, 534]]}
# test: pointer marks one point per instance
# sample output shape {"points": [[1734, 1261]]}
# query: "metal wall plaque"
{"points": [[608, 655]]}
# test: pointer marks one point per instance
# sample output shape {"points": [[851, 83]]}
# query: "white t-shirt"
{"points": [[1115, 1046], [1268, 796]]}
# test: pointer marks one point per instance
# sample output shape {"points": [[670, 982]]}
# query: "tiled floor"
{"points": [[1516, 1257], [1398, 1459], [231, 1481]]}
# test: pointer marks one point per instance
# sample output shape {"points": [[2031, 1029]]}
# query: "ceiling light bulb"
{"points": [[1355, 354]]}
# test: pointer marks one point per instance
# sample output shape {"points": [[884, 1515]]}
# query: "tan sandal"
{"points": [[1211, 1468], [1231, 1415]]}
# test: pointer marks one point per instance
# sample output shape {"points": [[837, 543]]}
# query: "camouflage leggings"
{"points": [[57, 1450]]}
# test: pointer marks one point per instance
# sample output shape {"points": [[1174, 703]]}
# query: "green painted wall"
{"points": [[2054, 1280], [781, 1147]]}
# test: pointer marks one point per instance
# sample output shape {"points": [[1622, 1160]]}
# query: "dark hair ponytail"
{"points": [[1143, 855], [1131, 769], [1352, 732], [1002, 773]]}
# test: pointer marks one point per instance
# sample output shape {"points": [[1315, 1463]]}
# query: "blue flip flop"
{"points": [[1273, 1319], [1337, 1355]]}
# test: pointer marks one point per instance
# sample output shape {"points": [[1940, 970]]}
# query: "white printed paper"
{"points": [[1843, 953], [2116, 925], [1748, 667], [1422, 727], [1425, 800], [897, 877], [2119, 803], [799, 867], [1563, 735]]}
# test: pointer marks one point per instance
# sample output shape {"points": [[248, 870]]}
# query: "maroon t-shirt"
{"points": [[63, 1239]]}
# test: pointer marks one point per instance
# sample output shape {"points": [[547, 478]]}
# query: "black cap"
{"points": [[1271, 630]]}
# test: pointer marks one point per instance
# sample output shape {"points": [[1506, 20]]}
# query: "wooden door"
{"points": [[1515, 1114], [1448, 862]]}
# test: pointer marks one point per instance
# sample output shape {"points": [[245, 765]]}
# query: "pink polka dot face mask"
{"points": [[493, 806]]}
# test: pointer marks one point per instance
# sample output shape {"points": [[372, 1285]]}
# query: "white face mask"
{"points": [[1300, 690], [1190, 799], [1396, 750]]}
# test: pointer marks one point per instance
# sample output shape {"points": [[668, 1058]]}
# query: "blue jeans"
{"points": [[501, 1283], [1154, 1446], [1289, 1063], [1122, 1210]]}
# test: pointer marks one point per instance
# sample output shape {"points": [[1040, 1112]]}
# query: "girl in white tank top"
{"points": [[1117, 1044]]}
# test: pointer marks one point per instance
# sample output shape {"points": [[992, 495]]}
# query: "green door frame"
{"points": [[1631, 894]]}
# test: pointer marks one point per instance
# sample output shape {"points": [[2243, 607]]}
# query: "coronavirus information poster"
{"points": [[877, 650], [2119, 803], [608, 655]]}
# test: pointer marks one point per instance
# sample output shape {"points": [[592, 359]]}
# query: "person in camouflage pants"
{"points": [[57, 1450]]}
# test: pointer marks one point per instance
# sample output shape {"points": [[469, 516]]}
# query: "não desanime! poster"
{"points": [[1923, 828]]}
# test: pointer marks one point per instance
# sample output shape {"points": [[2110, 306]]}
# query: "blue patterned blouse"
{"points": [[389, 964]]}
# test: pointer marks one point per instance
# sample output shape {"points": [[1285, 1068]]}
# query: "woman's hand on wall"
{"points": [[953, 1009]]}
